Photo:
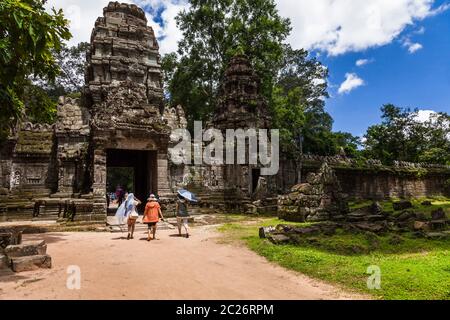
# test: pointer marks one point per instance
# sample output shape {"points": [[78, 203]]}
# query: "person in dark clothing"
{"points": [[182, 215], [120, 194]]}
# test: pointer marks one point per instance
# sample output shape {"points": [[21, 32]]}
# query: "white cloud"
{"points": [[340, 26], [363, 62], [82, 15], [331, 26], [424, 115], [412, 47], [421, 30], [352, 81], [168, 31], [442, 8]]}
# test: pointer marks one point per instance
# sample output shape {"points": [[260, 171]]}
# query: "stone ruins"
{"points": [[59, 171]]}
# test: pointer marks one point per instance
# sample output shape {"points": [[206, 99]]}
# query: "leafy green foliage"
{"points": [[299, 108], [402, 136], [72, 63], [39, 107], [294, 84], [213, 32], [120, 176], [28, 38]]}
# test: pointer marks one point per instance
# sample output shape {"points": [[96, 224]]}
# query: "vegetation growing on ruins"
{"points": [[213, 32], [412, 268], [294, 83]]}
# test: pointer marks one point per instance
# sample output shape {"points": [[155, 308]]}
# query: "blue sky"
{"points": [[406, 44]]}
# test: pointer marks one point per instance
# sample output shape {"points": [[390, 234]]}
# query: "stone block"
{"points": [[5, 239], [264, 232], [438, 214], [438, 235], [420, 226], [402, 205], [278, 238], [4, 262], [29, 263], [29, 248]]}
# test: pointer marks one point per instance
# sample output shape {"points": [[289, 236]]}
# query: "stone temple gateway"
{"points": [[125, 97], [118, 122], [60, 171]]}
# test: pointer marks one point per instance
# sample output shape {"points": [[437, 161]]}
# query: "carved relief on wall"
{"points": [[35, 175], [16, 176]]}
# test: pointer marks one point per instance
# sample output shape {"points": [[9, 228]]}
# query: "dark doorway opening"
{"points": [[256, 173], [138, 171]]}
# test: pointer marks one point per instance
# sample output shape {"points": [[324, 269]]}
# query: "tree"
{"points": [[299, 108], [213, 32], [28, 38], [348, 143], [72, 63], [403, 136]]}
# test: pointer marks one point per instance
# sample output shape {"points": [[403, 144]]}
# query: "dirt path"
{"points": [[171, 268]]}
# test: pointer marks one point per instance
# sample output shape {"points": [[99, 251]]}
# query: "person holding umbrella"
{"points": [[182, 210]]}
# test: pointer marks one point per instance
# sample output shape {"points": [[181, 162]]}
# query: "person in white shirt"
{"points": [[130, 204]]}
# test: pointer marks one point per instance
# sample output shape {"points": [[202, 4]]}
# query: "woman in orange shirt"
{"points": [[151, 216]]}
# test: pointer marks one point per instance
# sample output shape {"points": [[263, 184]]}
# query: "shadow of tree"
{"points": [[48, 237]]}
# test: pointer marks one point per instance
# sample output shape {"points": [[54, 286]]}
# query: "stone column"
{"points": [[99, 185], [163, 175], [66, 179]]}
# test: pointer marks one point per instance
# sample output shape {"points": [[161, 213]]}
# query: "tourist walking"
{"points": [[130, 204], [152, 215], [182, 215], [121, 213]]}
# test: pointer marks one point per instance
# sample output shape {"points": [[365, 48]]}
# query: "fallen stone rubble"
{"points": [[19, 256], [366, 220]]}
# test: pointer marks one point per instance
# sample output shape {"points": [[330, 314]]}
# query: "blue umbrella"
{"points": [[187, 195]]}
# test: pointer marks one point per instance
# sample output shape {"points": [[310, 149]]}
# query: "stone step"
{"points": [[28, 248], [5, 239], [30, 263], [46, 217], [4, 262]]}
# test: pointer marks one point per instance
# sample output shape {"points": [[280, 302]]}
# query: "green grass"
{"points": [[413, 269]]}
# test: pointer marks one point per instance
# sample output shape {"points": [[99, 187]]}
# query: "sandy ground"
{"points": [[172, 268]]}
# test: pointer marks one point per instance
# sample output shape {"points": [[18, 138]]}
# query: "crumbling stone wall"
{"points": [[371, 181], [50, 172], [319, 199]]}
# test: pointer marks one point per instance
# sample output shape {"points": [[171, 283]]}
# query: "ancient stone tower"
{"points": [[125, 97], [241, 104]]}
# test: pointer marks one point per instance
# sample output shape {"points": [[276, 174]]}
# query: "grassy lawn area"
{"points": [[412, 268]]}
